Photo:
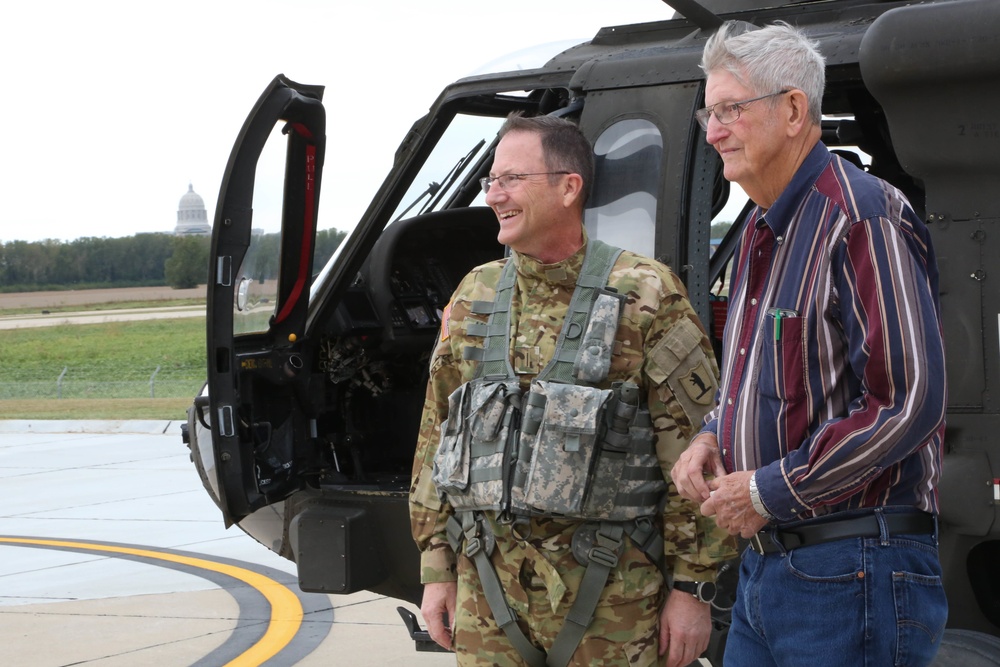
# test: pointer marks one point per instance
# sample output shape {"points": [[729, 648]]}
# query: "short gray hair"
{"points": [[769, 59]]}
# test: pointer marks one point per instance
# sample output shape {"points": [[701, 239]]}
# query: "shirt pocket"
{"points": [[783, 362]]}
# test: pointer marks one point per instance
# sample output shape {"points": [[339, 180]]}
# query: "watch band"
{"points": [[703, 591], [758, 504]]}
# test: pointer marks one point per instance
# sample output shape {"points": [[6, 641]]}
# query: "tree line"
{"points": [[131, 261]]}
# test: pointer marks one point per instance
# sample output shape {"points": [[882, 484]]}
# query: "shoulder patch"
{"points": [[698, 385], [679, 365], [445, 318]]}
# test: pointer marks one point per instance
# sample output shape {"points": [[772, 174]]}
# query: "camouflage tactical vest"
{"points": [[565, 447]]}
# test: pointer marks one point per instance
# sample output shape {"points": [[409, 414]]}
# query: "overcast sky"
{"points": [[111, 108]]}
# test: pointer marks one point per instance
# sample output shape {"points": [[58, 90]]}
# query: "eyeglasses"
{"points": [[507, 181], [729, 112]]}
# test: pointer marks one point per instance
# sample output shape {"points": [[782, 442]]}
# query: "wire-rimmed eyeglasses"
{"points": [[729, 112], [506, 181]]}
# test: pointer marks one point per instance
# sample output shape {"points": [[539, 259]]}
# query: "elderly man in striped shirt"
{"points": [[825, 447]]}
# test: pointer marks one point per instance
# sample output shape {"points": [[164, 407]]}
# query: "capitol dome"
{"points": [[192, 218]]}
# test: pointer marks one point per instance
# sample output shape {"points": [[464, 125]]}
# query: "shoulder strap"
{"points": [[494, 355], [597, 265]]}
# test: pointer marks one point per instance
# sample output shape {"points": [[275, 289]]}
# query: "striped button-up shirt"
{"points": [[833, 381]]}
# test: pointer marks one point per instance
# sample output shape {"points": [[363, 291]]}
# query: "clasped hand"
{"points": [[701, 477]]}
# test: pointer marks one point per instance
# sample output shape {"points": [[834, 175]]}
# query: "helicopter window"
{"points": [[257, 281], [461, 147], [627, 161]]}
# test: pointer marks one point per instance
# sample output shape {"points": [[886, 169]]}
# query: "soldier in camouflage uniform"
{"points": [[538, 189]]}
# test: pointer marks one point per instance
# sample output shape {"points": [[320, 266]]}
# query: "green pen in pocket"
{"points": [[779, 314]]}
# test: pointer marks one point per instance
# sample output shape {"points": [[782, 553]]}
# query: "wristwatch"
{"points": [[703, 591], [758, 504]]}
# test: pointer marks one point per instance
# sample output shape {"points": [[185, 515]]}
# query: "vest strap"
{"points": [[477, 329], [602, 557], [598, 261], [495, 361], [471, 532], [481, 307]]}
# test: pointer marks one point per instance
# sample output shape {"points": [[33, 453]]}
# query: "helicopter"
{"points": [[305, 432]]}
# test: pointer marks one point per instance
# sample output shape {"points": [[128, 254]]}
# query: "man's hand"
{"points": [[699, 459], [438, 610], [729, 502], [685, 628]]}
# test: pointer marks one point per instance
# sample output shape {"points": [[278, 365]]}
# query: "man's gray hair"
{"points": [[769, 59]]}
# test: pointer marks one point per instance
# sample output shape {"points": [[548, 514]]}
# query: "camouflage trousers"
{"points": [[624, 632]]}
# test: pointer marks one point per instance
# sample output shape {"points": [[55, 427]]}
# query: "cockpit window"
{"points": [[462, 146], [622, 208]]}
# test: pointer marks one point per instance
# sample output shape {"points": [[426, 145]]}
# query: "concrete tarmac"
{"points": [[113, 555]]}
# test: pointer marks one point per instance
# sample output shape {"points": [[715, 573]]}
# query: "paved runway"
{"points": [[112, 555]]}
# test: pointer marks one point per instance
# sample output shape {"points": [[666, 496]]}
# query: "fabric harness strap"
{"points": [[494, 355], [601, 559], [478, 546]]}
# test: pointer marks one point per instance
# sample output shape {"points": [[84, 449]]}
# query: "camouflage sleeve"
{"points": [[428, 511], [683, 378]]}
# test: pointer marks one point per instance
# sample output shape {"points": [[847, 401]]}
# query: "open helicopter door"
{"points": [[258, 297]]}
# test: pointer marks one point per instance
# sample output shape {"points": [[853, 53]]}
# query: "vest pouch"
{"points": [[452, 459], [628, 484], [563, 449], [593, 360], [608, 470], [487, 416]]}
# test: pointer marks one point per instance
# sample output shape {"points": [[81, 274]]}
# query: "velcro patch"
{"points": [[527, 360], [445, 317]]}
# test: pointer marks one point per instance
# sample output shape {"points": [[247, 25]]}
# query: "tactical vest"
{"points": [[565, 448]]}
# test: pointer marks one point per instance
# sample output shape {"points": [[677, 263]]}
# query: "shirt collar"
{"points": [[781, 213], [565, 272]]}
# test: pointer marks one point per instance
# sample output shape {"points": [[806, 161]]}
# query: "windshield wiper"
{"points": [[452, 176], [432, 189]]}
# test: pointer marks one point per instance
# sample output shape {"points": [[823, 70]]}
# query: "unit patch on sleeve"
{"points": [[445, 317]]}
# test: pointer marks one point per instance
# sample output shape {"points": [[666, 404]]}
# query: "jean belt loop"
{"points": [[776, 538], [883, 530]]}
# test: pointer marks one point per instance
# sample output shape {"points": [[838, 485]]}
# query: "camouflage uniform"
{"points": [[539, 573]]}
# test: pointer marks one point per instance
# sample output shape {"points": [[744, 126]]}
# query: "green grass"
{"points": [[171, 342], [96, 408], [108, 370]]}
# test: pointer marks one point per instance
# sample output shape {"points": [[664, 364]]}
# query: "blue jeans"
{"points": [[847, 603]]}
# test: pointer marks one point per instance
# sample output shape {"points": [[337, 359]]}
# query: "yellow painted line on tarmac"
{"points": [[286, 610]]}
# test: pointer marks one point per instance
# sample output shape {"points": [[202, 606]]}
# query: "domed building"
{"points": [[192, 218]]}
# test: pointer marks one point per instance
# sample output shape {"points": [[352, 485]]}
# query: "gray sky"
{"points": [[111, 108]]}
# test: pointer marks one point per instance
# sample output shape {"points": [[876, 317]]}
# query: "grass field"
{"points": [[95, 408], [122, 370]]}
